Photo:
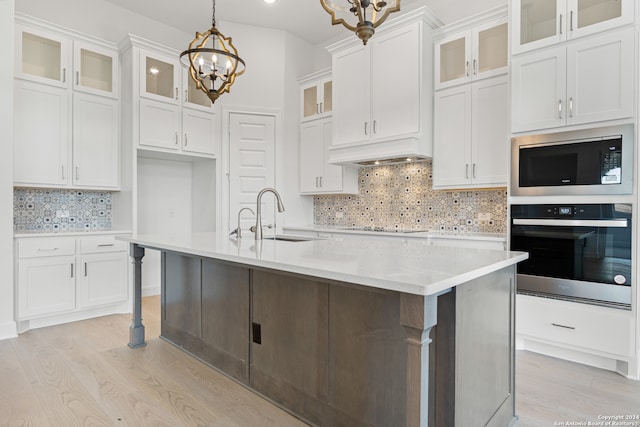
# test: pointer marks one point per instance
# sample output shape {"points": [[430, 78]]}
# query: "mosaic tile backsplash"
{"points": [[401, 198], [47, 211]]}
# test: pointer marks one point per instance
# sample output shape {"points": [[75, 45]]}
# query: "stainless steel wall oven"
{"points": [[578, 252]]}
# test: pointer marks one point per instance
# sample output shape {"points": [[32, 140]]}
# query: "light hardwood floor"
{"points": [[83, 373]]}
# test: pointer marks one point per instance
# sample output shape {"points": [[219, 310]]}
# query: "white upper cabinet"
{"points": [[539, 23], [59, 60], [471, 135], [317, 176], [352, 98], [170, 113], [159, 77], [40, 150], [42, 56], [96, 153], [587, 81], [382, 104], [316, 95], [96, 69], [377, 87], [472, 54], [67, 113]]}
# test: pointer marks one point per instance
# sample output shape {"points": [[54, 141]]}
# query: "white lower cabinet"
{"points": [[46, 286], [66, 275], [600, 331]]}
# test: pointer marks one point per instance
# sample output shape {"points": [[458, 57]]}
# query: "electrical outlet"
{"points": [[62, 214], [484, 217]]}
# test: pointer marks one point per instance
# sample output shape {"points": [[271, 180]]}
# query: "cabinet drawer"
{"points": [[100, 244], [575, 325], [42, 247]]}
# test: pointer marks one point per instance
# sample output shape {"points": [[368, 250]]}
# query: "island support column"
{"points": [[136, 330], [418, 314]]}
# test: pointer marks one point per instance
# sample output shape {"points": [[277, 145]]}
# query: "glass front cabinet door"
{"points": [[95, 69], [56, 60], [316, 96], [42, 57], [471, 55], [160, 79], [540, 23]]}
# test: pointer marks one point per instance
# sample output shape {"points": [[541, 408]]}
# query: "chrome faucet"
{"points": [[238, 231], [257, 229]]}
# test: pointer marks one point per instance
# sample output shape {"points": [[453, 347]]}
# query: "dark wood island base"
{"points": [[338, 354]]}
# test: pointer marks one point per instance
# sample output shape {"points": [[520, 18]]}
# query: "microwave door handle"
{"points": [[619, 223]]}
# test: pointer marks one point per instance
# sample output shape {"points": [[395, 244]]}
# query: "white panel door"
{"points": [[600, 82], [538, 89], [46, 286], [352, 95], [251, 166], [311, 156], [41, 123], [452, 137], [198, 131], [490, 130], [159, 124], [96, 148], [395, 107], [102, 279]]}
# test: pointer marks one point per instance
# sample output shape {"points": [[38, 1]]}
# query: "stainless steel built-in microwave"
{"points": [[592, 161]]}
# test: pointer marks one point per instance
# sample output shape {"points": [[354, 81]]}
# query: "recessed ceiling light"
{"points": [[269, 1]]}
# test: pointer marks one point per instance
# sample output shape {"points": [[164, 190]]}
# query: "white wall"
{"points": [[7, 324]]}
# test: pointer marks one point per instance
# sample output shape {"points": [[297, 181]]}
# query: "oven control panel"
{"points": [[571, 211]]}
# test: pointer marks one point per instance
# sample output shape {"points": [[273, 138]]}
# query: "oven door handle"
{"points": [[620, 223]]}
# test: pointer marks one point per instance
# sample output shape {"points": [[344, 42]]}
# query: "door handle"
{"points": [[571, 21], [466, 68], [571, 107], [466, 170], [559, 108], [560, 23], [366, 132]]}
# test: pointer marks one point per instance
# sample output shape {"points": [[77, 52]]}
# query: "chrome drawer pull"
{"points": [[47, 249], [105, 245], [563, 326]]}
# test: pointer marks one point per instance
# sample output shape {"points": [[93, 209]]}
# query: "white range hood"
{"points": [[368, 153]]}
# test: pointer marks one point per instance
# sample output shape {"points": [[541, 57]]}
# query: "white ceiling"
{"points": [[304, 18]]}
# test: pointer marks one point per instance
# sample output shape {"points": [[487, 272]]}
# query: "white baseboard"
{"points": [[594, 360], [8, 330], [148, 291]]}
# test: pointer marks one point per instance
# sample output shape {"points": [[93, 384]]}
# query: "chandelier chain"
{"points": [[213, 13]]}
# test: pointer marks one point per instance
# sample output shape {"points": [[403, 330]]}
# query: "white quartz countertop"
{"points": [[410, 266], [495, 237], [29, 234]]}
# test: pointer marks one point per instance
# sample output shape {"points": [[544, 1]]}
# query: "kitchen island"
{"points": [[345, 332]]}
